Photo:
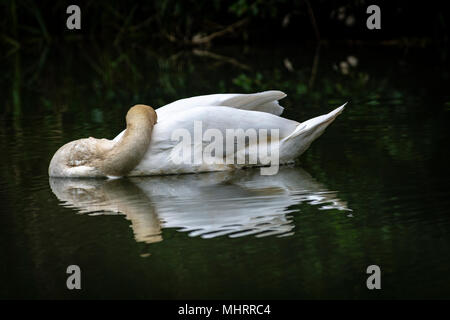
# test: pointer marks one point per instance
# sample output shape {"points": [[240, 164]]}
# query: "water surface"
{"points": [[372, 190]]}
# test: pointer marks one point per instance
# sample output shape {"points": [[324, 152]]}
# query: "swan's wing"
{"points": [[198, 127], [218, 118], [266, 101]]}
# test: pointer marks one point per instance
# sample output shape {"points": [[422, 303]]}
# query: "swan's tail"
{"points": [[305, 133]]}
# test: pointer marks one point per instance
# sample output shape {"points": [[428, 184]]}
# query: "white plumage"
{"points": [[226, 111], [146, 148]]}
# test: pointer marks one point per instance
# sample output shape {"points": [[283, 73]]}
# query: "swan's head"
{"points": [[141, 113]]}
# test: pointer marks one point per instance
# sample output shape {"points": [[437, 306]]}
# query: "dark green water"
{"points": [[372, 190]]}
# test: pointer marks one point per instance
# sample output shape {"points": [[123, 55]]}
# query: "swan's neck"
{"points": [[126, 154]]}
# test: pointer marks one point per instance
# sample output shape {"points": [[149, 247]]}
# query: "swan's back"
{"points": [[266, 101]]}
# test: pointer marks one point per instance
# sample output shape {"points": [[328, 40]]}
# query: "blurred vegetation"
{"points": [[180, 23], [161, 51]]}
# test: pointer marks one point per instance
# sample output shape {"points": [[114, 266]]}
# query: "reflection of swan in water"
{"points": [[119, 196], [208, 205]]}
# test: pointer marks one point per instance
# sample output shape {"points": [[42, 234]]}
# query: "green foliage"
{"points": [[257, 8]]}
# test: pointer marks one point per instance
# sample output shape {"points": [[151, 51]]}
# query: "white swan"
{"points": [[259, 111]]}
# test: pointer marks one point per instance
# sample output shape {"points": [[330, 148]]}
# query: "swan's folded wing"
{"points": [[266, 101]]}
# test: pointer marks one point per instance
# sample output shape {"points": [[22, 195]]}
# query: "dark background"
{"points": [[178, 22]]}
